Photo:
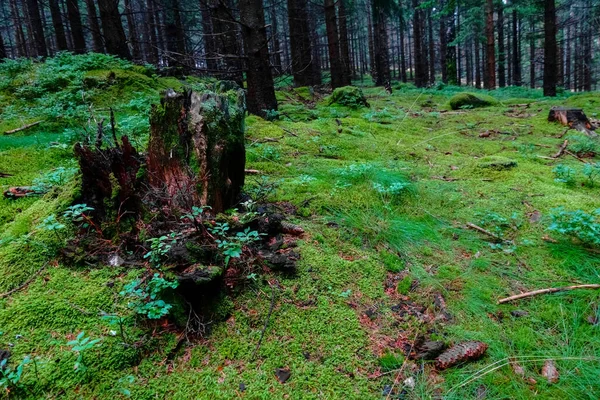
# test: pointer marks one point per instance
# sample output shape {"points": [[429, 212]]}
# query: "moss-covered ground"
{"points": [[384, 194]]}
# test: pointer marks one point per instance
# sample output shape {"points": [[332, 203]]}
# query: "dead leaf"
{"points": [[517, 369], [550, 372], [283, 374]]}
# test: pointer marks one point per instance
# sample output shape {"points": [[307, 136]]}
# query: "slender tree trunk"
{"points": [[74, 17], [175, 45], [431, 47], [371, 45], [333, 45], [300, 44], [451, 49], [567, 77], [443, 47], [550, 49], [261, 91], [33, 13], [419, 51], [458, 48], [19, 34], [277, 67], [225, 33], [114, 35], [402, 52], [3, 53], [587, 59], [208, 37], [532, 53], [490, 52], [57, 23], [516, 52], [477, 62], [133, 35], [94, 26], [344, 46], [150, 44], [319, 51], [380, 45], [469, 62], [501, 47]]}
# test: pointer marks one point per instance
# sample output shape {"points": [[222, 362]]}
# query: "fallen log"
{"points": [[549, 290], [574, 118], [562, 149], [22, 191], [24, 127]]}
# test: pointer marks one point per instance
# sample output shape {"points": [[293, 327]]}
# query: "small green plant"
{"points": [[271, 115], [231, 247], [9, 377], [578, 223], [145, 298], [57, 177], [304, 180], [196, 216], [592, 172], [392, 192], [51, 224], [564, 174], [80, 345], [78, 213], [159, 248], [220, 229], [498, 224]]}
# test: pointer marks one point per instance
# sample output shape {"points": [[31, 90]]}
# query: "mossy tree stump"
{"points": [[196, 154], [574, 118]]}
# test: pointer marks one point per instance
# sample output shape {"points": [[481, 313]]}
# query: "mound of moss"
{"points": [[470, 100], [497, 163], [349, 96]]}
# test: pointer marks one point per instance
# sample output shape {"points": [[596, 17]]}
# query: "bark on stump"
{"points": [[574, 118], [196, 154]]}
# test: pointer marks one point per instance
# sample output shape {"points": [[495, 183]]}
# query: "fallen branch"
{"points": [[23, 128], [262, 333], [253, 171], [575, 156], [289, 132], [562, 149], [4, 175], [24, 285], [549, 290], [22, 191], [486, 232]]}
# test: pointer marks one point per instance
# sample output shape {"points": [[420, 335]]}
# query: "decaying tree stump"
{"points": [[574, 118], [109, 178], [196, 154]]}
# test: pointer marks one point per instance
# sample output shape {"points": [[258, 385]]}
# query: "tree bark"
{"points": [[114, 35], [419, 56], [344, 45], [133, 34], [490, 70], [501, 47], [550, 48], [210, 49], [333, 44], [277, 65], [301, 49], [196, 151], [380, 45], [516, 51], [532, 53], [477, 62], [57, 24], [431, 47], [150, 43], [451, 56], [261, 91], [74, 17], [225, 34], [33, 13], [175, 37], [3, 54], [94, 26], [19, 34]]}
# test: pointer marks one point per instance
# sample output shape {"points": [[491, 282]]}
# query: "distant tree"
{"points": [[490, 49], [501, 46], [112, 27], [421, 75], [57, 24], [550, 49], [301, 48], [74, 17], [37, 29], [3, 53], [94, 26], [344, 44], [333, 45]]}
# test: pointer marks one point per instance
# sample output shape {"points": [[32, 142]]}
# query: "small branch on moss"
{"points": [[575, 156], [24, 127], [544, 291], [289, 132], [24, 285], [561, 150], [4, 175], [253, 171], [486, 232], [262, 334]]}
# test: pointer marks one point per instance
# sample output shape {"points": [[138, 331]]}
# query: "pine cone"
{"points": [[465, 351]]}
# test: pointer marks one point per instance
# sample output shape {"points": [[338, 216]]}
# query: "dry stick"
{"points": [[289, 132], [562, 149], [262, 334], [576, 156], [549, 290], [24, 285], [485, 231], [23, 128]]}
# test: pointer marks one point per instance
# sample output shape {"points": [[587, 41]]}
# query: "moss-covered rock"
{"points": [[470, 100], [349, 96], [497, 163]]}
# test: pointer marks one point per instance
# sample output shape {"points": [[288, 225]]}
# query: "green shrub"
{"points": [[583, 145], [578, 224], [470, 100], [349, 96]]}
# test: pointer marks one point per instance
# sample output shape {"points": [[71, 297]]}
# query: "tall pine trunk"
{"points": [[516, 52], [94, 26], [490, 70], [380, 45], [501, 47], [114, 35], [550, 49], [150, 43], [225, 34], [301, 49], [57, 23], [431, 47], [133, 35], [74, 16], [344, 45], [333, 45], [261, 91], [419, 51], [3, 54], [532, 52], [33, 14]]}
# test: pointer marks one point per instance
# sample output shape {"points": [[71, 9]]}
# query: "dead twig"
{"points": [[22, 128], [561, 150], [544, 291], [253, 171], [486, 232], [575, 156], [289, 132], [262, 333], [25, 284]]}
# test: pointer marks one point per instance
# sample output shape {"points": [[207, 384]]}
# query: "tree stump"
{"points": [[574, 118], [196, 154]]}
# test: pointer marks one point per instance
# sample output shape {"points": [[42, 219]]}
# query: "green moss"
{"points": [[404, 285], [470, 100], [497, 163], [349, 96]]}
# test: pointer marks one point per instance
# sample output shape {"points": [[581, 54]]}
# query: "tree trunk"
{"points": [[344, 46], [419, 56], [516, 52], [302, 58], [196, 151], [33, 13], [451, 49], [567, 75], [19, 34], [74, 17], [371, 45], [133, 35], [150, 43], [225, 33], [501, 47], [477, 62], [114, 35], [443, 47], [431, 48], [177, 55], [261, 91], [490, 70], [532, 53], [3, 54], [550, 49], [277, 65], [210, 47], [94, 26], [57, 23], [333, 45], [380, 45], [402, 52]]}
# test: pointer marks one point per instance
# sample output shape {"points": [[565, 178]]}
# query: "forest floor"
{"points": [[384, 195]]}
